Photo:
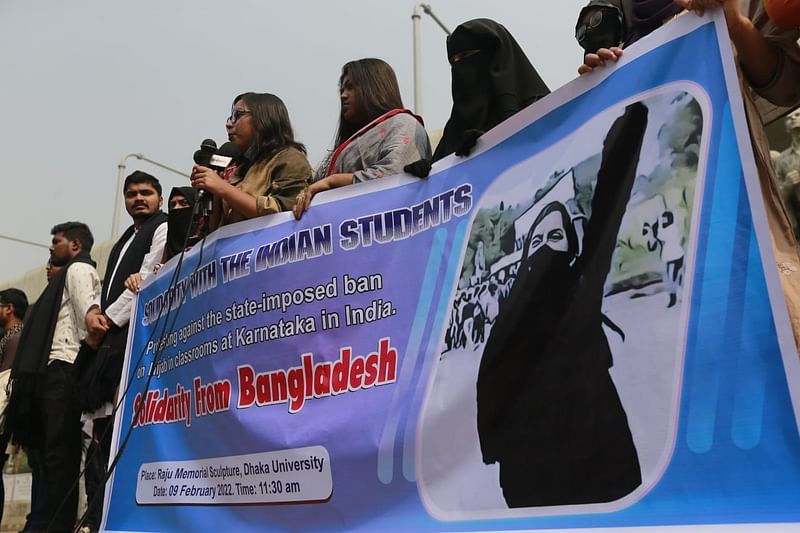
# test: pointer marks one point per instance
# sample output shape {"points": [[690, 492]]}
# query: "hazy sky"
{"points": [[86, 81]]}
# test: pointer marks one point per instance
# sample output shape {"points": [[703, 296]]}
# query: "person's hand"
{"points": [[97, 324], [468, 140], [133, 282], [599, 59], [420, 168], [731, 8], [307, 194], [700, 6], [333, 181], [94, 340], [206, 179], [759, 60]]}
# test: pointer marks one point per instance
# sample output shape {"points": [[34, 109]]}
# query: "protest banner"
{"points": [[579, 325]]}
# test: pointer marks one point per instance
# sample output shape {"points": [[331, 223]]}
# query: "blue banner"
{"points": [[570, 328]]}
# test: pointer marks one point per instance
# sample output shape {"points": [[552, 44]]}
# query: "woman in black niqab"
{"points": [[492, 80], [179, 222]]}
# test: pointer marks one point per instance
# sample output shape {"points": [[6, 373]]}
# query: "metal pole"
{"points": [[427, 9], [162, 165], [23, 241], [416, 20], [120, 178]]}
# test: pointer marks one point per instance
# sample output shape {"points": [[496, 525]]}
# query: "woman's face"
{"points": [[351, 107], [240, 126], [550, 232], [458, 56], [178, 201]]}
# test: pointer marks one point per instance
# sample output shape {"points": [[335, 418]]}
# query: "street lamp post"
{"points": [[120, 178], [416, 20], [23, 241]]}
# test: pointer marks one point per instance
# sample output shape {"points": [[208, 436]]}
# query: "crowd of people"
{"points": [[63, 367]]}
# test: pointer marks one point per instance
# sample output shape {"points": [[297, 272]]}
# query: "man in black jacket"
{"points": [[138, 250]]}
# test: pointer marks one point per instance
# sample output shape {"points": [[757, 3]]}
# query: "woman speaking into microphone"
{"points": [[271, 171]]}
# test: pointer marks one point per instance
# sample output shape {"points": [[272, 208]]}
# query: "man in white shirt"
{"points": [[43, 412], [139, 250], [141, 246]]}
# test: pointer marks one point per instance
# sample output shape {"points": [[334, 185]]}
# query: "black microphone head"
{"points": [[226, 154], [229, 149], [207, 149]]}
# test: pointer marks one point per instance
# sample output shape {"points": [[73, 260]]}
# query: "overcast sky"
{"points": [[86, 81]]}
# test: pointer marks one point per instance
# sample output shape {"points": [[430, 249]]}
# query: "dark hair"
{"points": [[273, 129], [75, 231], [16, 298], [566, 222], [377, 92], [142, 177]]}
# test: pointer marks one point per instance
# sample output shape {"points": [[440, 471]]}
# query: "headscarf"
{"points": [[490, 86], [179, 221], [610, 29], [648, 15]]}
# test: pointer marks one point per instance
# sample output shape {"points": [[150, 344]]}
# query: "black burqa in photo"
{"points": [[488, 86], [548, 411]]}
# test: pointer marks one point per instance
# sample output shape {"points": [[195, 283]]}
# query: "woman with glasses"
{"points": [[376, 137], [271, 171]]}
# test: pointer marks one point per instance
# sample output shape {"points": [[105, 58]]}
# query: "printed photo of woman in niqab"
{"points": [[548, 410]]}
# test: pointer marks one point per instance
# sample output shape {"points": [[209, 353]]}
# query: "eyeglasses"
{"points": [[236, 114], [594, 21]]}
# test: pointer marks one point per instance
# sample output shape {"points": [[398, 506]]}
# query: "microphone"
{"points": [[215, 159], [207, 149], [223, 157], [203, 157]]}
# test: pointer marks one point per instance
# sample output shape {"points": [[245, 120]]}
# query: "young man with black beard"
{"points": [[138, 250], [43, 413]]}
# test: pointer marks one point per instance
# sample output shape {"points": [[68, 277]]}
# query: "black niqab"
{"points": [[649, 15], [490, 86], [179, 221]]}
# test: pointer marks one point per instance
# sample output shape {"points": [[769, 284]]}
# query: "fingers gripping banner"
{"points": [[570, 328]]}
